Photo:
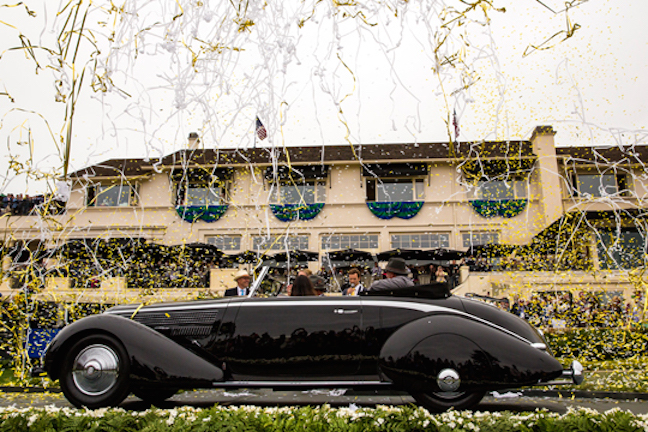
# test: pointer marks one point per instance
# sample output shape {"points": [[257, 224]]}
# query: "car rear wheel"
{"points": [[443, 401], [154, 395], [94, 372]]}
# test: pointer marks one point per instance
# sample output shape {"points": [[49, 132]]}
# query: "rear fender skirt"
{"points": [[154, 358], [484, 356]]}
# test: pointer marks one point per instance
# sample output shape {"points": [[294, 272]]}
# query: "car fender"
{"points": [[484, 356], [154, 358]]}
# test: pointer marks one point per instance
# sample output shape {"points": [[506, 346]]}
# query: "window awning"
{"points": [[297, 173], [394, 170], [479, 169], [201, 174]]}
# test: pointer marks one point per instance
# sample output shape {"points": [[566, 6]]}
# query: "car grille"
{"points": [[196, 324]]}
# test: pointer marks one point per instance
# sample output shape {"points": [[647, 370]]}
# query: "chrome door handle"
{"points": [[345, 311]]}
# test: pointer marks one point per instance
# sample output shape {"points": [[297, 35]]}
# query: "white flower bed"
{"points": [[324, 418]]}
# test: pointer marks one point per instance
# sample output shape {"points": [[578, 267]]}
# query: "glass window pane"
{"points": [[597, 185], [113, 195], [374, 242], [107, 196], [213, 196], [124, 195], [344, 242], [297, 193], [335, 242], [321, 192], [395, 241], [444, 240], [395, 191], [520, 187], [496, 190], [196, 196], [420, 189]]}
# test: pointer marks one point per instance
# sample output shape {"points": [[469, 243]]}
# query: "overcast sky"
{"points": [[355, 75]]}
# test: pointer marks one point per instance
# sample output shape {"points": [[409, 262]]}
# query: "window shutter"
{"points": [[92, 194], [371, 190]]}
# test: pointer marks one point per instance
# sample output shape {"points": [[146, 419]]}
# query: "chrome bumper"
{"points": [[571, 376]]}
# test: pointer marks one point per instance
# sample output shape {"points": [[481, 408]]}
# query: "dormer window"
{"points": [[202, 195], [297, 185], [395, 182], [111, 195], [395, 190], [201, 187], [304, 192], [492, 190]]}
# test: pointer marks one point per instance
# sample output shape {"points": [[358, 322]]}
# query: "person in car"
{"points": [[302, 287], [242, 279], [355, 287], [396, 277], [319, 284]]}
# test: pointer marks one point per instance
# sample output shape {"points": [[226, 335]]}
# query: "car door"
{"points": [[295, 338]]}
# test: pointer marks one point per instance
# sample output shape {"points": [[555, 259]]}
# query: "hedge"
{"points": [[323, 419], [599, 344]]}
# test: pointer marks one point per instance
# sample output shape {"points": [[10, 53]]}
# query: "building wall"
{"points": [[447, 208]]}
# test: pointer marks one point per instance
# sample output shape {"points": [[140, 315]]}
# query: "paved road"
{"points": [[206, 398]]}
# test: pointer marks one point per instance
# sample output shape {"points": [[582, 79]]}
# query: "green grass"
{"points": [[628, 375]]}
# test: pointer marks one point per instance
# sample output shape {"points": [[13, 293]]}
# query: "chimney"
{"points": [[193, 142]]}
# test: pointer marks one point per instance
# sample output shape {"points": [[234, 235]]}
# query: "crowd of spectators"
{"points": [[526, 262], [20, 205], [561, 310]]}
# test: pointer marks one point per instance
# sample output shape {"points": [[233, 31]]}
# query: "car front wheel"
{"points": [[95, 372], [443, 401]]}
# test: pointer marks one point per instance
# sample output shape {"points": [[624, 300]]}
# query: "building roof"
{"points": [[114, 168], [313, 154], [605, 155]]}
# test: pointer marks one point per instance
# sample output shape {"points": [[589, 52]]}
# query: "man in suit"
{"points": [[355, 287], [242, 279]]}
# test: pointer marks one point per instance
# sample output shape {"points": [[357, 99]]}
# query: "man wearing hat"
{"points": [[396, 277], [242, 279], [319, 284]]}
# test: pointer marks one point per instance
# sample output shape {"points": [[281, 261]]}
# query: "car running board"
{"points": [[300, 384]]}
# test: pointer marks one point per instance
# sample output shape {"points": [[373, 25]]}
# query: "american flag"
{"points": [[455, 123], [261, 130]]}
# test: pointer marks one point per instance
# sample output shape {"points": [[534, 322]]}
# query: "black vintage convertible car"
{"points": [[444, 350]]}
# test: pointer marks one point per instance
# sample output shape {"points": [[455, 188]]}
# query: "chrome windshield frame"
{"points": [[257, 281]]}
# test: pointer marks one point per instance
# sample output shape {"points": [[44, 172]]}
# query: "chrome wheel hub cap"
{"points": [[95, 370], [448, 380]]}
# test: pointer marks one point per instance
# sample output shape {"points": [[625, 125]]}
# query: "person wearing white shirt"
{"points": [[354, 280]]}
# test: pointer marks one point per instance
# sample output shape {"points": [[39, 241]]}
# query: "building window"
{"points": [[225, 243], [200, 194], [601, 185], [200, 187], [420, 241], [479, 238], [625, 249], [274, 242], [395, 189], [304, 192], [350, 241], [494, 190], [111, 196]]}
